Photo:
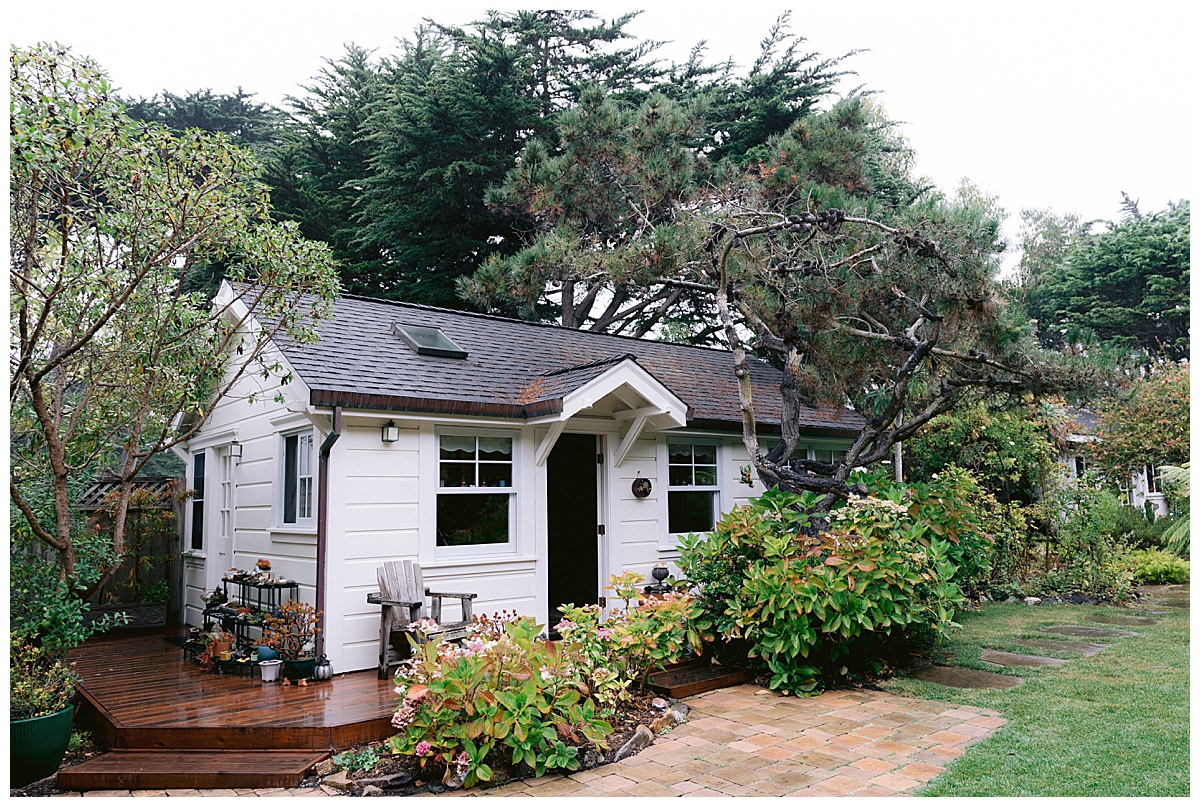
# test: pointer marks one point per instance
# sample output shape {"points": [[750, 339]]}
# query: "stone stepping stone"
{"points": [[1089, 631], [1084, 648], [1115, 619], [963, 678], [1004, 659]]}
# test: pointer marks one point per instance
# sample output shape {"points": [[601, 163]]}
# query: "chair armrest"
{"points": [[377, 599], [429, 593]]}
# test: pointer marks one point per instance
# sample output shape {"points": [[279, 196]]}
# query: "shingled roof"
{"points": [[515, 369]]}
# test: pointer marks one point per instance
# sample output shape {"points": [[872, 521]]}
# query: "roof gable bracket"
{"points": [[631, 436], [547, 444]]}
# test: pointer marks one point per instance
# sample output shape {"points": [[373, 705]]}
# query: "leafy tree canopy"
{"points": [[109, 349], [246, 122], [1148, 424], [1011, 452], [826, 256], [1128, 286]]}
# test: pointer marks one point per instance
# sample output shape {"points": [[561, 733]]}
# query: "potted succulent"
{"points": [[42, 685], [292, 631]]}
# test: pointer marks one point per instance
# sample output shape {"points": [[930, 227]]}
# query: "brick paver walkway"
{"points": [[745, 741]]}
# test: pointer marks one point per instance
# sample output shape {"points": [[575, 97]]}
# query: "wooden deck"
{"points": [[140, 693]]}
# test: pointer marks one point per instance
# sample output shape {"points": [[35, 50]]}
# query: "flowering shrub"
{"points": [[631, 643], [505, 690], [804, 601], [508, 691]]}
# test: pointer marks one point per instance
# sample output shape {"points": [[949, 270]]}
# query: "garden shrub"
{"points": [[618, 654], [1153, 567], [504, 689], [508, 692], [806, 603], [1082, 551], [955, 508], [1137, 530]]}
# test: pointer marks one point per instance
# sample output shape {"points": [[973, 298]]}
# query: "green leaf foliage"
{"points": [[813, 605], [1009, 451], [110, 347], [1128, 286], [1147, 424]]}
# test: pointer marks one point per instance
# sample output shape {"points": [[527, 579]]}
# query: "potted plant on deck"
{"points": [[292, 631], [42, 685]]}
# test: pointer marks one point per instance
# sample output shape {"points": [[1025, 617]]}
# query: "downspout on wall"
{"points": [[323, 522]]}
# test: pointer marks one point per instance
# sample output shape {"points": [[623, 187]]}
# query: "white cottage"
{"points": [[1145, 487], [501, 455]]}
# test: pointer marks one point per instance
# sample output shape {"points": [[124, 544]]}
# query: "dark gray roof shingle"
{"points": [[514, 368]]}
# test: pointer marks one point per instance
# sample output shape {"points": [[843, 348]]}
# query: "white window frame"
{"points": [[302, 522], [514, 502], [670, 540]]}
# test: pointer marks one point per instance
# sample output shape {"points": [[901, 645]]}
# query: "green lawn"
{"points": [[1114, 724]]}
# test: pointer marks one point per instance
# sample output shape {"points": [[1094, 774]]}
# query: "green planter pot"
{"points": [[295, 669], [37, 745]]}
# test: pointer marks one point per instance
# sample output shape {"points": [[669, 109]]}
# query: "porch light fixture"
{"points": [[391, 432], [235, 451]]}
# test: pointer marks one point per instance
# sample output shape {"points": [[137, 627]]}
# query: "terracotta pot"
{"points": [[218, 648]]}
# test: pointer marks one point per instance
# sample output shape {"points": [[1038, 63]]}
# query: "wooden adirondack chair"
{"points": [[402, 596]]}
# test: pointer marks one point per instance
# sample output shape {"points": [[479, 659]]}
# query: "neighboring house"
{"points": [[1142, 487], [499, 454]]}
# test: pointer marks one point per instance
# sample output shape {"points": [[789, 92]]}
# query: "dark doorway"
{"points": [[572, 524]]}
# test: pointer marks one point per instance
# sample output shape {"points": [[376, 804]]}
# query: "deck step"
{"points": [[159, 770]]}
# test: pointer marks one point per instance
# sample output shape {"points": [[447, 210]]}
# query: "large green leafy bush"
{"points": [[807, 602]]}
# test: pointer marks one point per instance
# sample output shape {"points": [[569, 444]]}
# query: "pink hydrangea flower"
{"points": [[423, 748], [603, 633]]}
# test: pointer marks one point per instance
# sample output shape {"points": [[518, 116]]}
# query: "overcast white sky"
{"points": [[1045, 104]]}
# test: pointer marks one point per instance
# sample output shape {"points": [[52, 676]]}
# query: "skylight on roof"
{"points": [[426, 341]]}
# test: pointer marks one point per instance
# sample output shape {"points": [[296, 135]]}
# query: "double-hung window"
{"points": [[693, 489], [298, 478], [476, 490], [197, 538]]}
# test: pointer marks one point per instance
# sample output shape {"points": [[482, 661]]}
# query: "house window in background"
{"points": [[1153, 479]]}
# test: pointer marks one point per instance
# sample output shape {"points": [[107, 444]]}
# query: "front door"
{"points": [[571, 496]]}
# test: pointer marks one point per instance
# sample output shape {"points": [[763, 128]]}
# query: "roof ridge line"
{"points": [[517, 321], [589, 365]]}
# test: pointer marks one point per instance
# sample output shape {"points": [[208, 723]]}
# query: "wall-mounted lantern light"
{"points": [[642, 487], [235, 451], [391, 432]]}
